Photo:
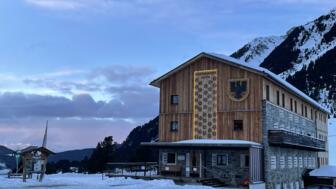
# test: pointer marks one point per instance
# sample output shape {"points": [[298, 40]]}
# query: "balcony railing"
{"points": [[290, 139]]}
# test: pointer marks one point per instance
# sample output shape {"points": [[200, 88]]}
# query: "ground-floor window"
{"points": [[273, 162], [171, 158], [244, 160], [222, 159]]}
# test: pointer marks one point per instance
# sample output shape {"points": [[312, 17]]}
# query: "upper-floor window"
{"points": [[295, 106], [311, 114], [302, 109], [174, 99], [283, 100], [278, 97], [306, 111], [291, 104], [237, 125], [174, 126], [273, 162], [267, 92]]}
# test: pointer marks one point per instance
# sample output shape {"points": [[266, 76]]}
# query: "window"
{"points": [[282, 162], [174, 99], [173, 126], [295, 162], [222, 159], [290, 162], [237, 125], [302, 109], [291, 104], [295, 106], [273, 162], [306, 111], [300, 162], [278, 97], [267, 92], [311, 114], [244, 160], [171, 158], [305, 161], [283, 100]]}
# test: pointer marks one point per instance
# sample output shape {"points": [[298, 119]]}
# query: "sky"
{"points": [[85, 65]]}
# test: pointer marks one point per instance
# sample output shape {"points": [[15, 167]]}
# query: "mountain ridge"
{"points": [[303, 58]]}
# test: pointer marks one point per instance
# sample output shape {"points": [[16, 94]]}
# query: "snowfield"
{"points": [[82, 181]]}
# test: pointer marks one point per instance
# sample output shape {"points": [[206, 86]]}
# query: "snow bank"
{"points": [[81, 181], [326, 171]]}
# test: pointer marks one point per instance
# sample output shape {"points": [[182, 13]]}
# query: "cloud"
{"points": [[58, 4], [96, 82], [141, 103], [120, 73], [80, 4]]}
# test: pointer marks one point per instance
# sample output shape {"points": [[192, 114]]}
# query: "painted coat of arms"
{"points": [[238, 89]]}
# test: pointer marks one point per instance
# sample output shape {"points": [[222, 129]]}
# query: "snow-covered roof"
{"points": [[263, 71], [326, 171], [205, 143]]}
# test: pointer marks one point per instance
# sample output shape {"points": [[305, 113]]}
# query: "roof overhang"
{"points": [[205, 143], [35, 148], [242, 65]]}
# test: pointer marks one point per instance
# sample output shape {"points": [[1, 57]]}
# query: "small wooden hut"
{"points": [[34, 161]]}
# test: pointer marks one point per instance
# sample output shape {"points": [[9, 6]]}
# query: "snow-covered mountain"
{"points": [[305, 56], [258, 49]]}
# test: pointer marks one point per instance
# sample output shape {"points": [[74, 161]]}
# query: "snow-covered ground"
{"points": [[81, 181]]}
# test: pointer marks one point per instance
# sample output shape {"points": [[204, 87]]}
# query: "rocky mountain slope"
{"points": [[305, 56]]}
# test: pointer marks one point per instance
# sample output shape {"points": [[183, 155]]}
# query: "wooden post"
{"points": [[44, 167], [24, 169], [200, 164], [145, 169]]}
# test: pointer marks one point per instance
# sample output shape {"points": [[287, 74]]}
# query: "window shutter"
{"points": [[164, 158], [214, 160]]}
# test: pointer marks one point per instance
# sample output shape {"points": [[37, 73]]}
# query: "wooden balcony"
{"points": [[293, 140]]}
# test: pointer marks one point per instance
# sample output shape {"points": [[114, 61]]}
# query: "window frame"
{"points": [[172, 129], [221, 162], [278, 97], [244, 160], [174, 99], [291, 104], [238, 127], [306, 112], [170, 153], [267, 92]]}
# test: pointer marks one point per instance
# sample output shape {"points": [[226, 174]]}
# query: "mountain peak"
{"points": [[255, 51]]}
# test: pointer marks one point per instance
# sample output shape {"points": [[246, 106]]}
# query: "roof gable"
{"points": [[256, 69]]}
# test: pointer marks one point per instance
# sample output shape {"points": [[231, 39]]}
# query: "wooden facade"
{"points": [[181, 82]]}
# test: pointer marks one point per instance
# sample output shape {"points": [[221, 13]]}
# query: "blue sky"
{"points": [[85, 65]]}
